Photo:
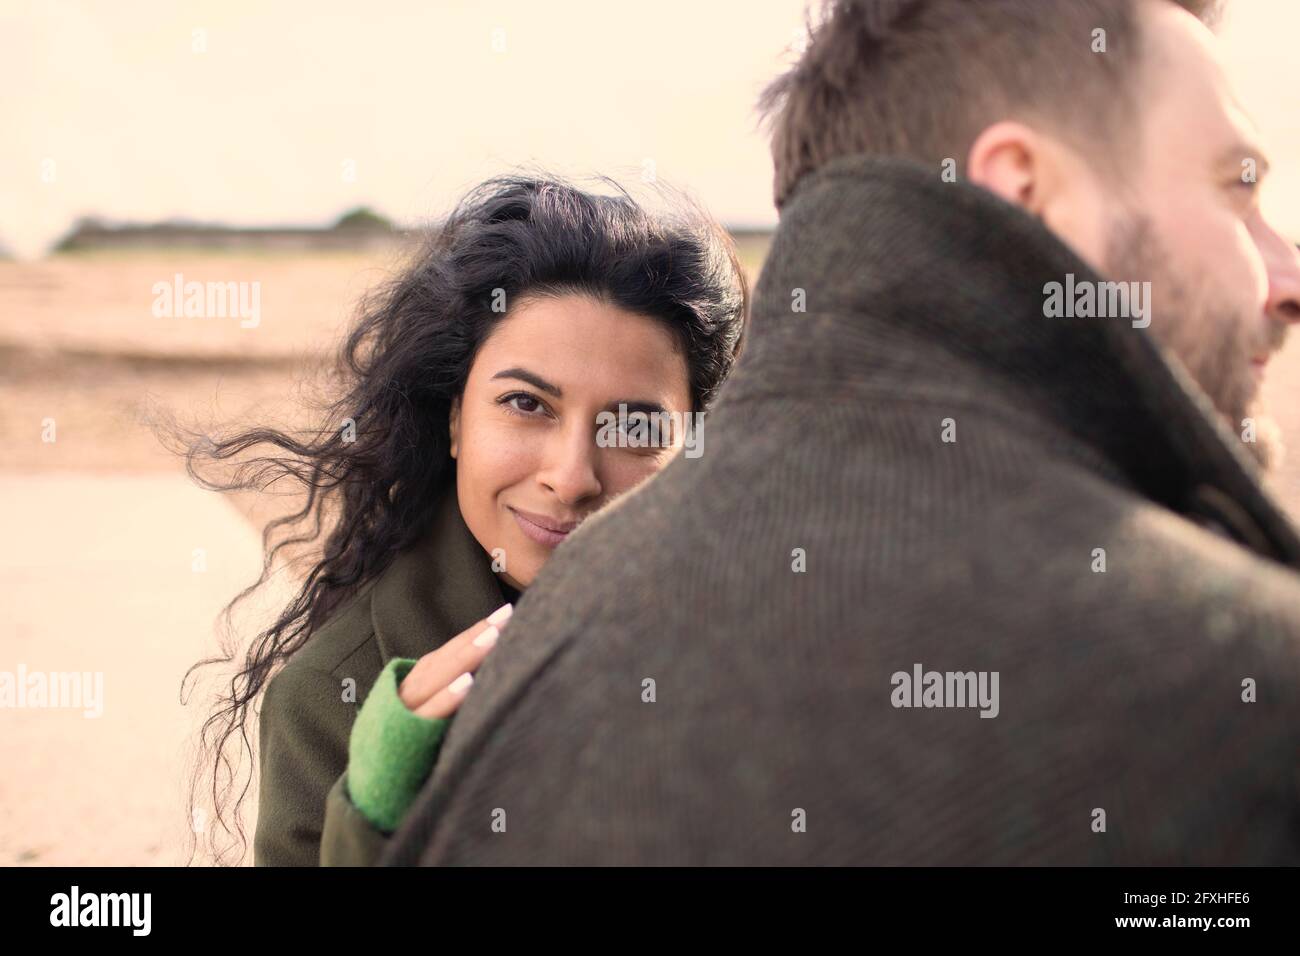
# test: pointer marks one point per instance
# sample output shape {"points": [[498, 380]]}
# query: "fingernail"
{"points": [[501, 614], [488, 637], [461, 684]]}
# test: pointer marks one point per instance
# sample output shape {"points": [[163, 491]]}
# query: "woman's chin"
{"points": [[524, 559], [517, 582]]}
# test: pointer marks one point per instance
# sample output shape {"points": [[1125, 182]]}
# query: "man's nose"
{"points": [[570, 467], [1282, 260]]}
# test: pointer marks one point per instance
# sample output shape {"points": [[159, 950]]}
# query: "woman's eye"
{"points": [[645, 434], [522, 402]]}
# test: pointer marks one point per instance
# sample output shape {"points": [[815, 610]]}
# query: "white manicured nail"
{"points": [[461, 684], [501, 614], [488, 637]]}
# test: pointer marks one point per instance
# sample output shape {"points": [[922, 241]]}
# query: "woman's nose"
{"points": [[570, 466]]}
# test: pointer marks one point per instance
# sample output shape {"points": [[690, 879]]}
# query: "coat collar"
{"points": [[935, 289], [435, 589]]}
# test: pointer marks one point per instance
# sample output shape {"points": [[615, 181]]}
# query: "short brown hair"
{"points": [[922, 78]]}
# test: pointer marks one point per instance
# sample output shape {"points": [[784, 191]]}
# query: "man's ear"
{"points": [[1011, 160], [453, 427], [1050, 180]]}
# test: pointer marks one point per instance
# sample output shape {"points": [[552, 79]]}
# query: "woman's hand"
{"points": [[439, 681]]}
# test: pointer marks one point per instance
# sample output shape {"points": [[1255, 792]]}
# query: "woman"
{"points": [[464, 451]]}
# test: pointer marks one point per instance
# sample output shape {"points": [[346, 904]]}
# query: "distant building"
{"points": [[358, 230]]}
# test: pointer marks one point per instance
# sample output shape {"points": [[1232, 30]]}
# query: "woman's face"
{"points": [[523, 433]]}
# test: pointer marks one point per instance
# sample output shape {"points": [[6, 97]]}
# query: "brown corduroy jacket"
{"points": [[912, 465], [429, 594]]}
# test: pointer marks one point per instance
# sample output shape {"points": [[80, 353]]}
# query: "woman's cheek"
{"points": [[626, 470], [504, 456]]}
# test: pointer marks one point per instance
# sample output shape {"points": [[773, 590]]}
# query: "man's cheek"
{"points": [[1227, 258]]}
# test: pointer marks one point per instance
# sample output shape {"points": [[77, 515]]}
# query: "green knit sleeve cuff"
{"points": [[391, 750]]}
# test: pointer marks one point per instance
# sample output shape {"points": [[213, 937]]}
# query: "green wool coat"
{"points": [[429, 594]]}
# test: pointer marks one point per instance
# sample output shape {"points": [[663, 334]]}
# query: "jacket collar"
{"points": [[927, 288], [435, 589]]}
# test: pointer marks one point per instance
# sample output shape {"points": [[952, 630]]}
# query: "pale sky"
{"points": [[290, 113]]}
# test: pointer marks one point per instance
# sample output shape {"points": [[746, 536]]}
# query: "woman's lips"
{"points": [[545, 531]]}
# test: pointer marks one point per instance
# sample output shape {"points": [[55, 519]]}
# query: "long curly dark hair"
{"points": [[375, 469]]}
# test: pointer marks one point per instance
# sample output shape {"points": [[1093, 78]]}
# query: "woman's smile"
{"points": [[541, 528]]}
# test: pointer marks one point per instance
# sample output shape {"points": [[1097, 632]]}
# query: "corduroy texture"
{"points": [[674, 690], [391, 750]]}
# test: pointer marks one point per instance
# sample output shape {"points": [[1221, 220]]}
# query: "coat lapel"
{"points": [[434, 590]]}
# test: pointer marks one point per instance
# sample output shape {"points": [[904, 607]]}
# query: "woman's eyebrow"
{"points": [[535, 380], [650, 408]]}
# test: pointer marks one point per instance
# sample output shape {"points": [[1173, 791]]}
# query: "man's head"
{"points": [[1110, 120]]}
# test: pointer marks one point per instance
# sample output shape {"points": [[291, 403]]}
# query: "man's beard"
{"points": [[1212, 341]]}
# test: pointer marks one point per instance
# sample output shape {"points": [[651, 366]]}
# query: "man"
{"points": [[977, 567]]}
